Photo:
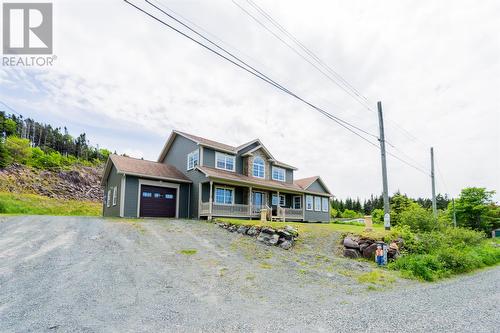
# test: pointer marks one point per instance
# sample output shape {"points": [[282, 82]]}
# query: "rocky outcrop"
{"points": [[79, 183], [284, 238], [357, 247]]}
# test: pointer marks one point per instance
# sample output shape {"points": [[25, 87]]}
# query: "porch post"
{"points": [[303, 207], [278, 207], [200, 188], [210, 201], [250, 203]]}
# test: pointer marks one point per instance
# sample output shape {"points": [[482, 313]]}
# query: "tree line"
{"points": [[26, 141]]}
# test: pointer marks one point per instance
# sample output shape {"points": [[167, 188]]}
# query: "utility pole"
{"points": [[433, 179], [387, 213]]}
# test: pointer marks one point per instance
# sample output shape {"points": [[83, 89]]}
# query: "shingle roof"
{"points": [[306, 182], [134, 166], [208, 142], [231, 176]]}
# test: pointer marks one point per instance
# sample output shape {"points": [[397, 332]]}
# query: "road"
{"points": [[79, 274]]}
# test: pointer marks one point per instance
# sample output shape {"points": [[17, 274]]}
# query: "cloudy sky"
{"points": [[127, 81]]}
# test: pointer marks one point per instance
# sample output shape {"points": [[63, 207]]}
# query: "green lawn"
{"points": [[32, 204]]}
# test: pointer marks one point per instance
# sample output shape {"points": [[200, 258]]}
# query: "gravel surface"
{"points": [[75, 274]]}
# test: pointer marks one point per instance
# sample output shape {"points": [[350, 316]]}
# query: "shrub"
{"points": [[18, 149], [417, 217], [422, 266], [378, 216], [347, 213]]}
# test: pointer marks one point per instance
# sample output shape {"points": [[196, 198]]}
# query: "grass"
{"points": [[188, 252], [377, 277], [33, 204]]}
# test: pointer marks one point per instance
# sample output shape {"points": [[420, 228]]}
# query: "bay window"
{"points": [[324, 204], [309, 202], [317, 204]]}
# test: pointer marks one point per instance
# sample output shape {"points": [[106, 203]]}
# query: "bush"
{"points": [[378, 216], [417, 217], [18, 149], [422, 266], [347, 213]]}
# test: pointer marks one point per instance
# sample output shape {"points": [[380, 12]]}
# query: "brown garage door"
{"points": [[158, 201]]}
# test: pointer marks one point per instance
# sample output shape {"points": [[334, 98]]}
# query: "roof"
{"points": [[218, 146], [232, 176], [144, 168], [304, 183]]}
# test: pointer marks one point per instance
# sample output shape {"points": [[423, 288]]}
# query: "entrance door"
{"points": [[258, 199], [158, 201]]}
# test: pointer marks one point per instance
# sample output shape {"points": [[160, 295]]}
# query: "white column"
{"points": [[210, 201]]}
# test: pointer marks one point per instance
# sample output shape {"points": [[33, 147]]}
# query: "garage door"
{"points": [[158, 201]]}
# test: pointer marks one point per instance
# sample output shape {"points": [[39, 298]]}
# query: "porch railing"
{"points": [[247, 210]]}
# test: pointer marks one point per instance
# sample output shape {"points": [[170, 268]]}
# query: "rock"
{"points": [[285, 234], [268, 230], [369, 252], [350, 243], [291, 230], [252, 231], [268, 239], [232, 228], [286, 244], [363, 246], [242, 229], [392, 254], [352, 253]]}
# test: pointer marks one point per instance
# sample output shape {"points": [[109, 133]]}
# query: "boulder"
{"points": [[392, 254], [291, 230], [363, 246], [242, 229], [285, 234], [286, 244], [350, 243], [268, 239], [252, 231], [268, 230], [232, 228], [352, 253], [369, 251]]}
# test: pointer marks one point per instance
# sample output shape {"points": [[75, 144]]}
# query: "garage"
{"points": [[156, 201]]}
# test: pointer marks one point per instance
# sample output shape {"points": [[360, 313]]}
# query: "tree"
{"points": [[9, 127], [18, 149], [475, 209], [4, 155], [399, 203], [417, 218]]}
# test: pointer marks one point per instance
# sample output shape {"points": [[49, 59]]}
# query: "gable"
{"points": [[318, 186]]}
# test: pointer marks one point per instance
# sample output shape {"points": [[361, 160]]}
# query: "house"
{"points": [[199, 178]]}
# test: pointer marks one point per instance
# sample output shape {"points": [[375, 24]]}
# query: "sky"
{"points": [[128, 81]]}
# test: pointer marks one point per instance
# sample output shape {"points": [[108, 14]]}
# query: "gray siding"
{"points": [[289, 176], [312, 216], [208, 157], [114, 179], [317, 187], [177, 155], [196, 177], [131, 195]]}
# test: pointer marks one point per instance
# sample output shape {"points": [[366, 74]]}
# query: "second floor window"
{"points": [[224, 161], [258, 167], [193, 159], [278, 174]]}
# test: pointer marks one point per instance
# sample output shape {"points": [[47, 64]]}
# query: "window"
{"points": [[278, 174], [258, 167], [114, 195], [193, 159], [309, 202], [147, 194], [224, 161], [108, 199], [280, 199], [297, 202], [324, 204], [224, 195], [317, 204]]}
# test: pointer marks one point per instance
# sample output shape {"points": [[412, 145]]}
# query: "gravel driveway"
{"points": [[76, 274]]}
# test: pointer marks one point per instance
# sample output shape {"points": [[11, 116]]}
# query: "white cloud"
{"points": [[434, 66]]}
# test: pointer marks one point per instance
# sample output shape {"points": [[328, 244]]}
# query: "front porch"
{"points": [[227, 200]]}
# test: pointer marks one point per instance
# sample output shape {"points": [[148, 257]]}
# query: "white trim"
{"points": [[224, 188], [108, 200], [115, 195], [312, 202], [316, 208], [159, 184], [217, 153], [201, 162], [122, 196], [272, 174], [195, 152], [279, 199], [263, 165], [323, 208], [300, 202], [154, 177]]}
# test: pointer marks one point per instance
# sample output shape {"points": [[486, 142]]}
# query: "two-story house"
{"points": [[200, 178]]}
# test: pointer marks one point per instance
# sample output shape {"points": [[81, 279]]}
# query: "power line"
{"points": [[11, 108], [256, 74]]}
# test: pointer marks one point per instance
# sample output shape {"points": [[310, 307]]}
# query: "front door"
{"points": [[258, 199]]}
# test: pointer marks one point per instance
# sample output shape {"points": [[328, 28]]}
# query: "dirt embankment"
{"points": [[79, 183]]}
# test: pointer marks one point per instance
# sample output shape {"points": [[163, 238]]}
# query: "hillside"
{"points": [[78, 183]]}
